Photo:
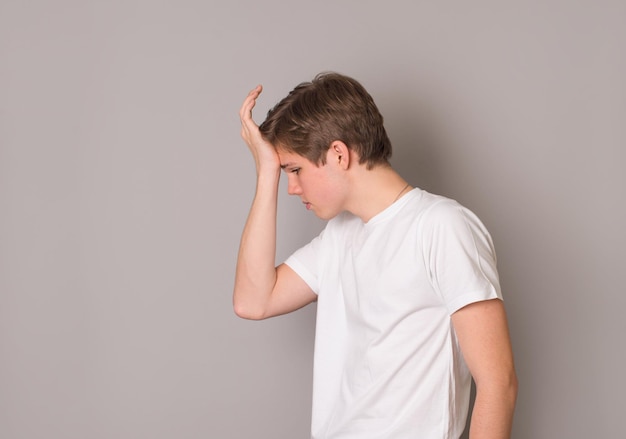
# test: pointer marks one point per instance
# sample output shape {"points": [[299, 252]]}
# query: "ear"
{"points": [[339, 154]]}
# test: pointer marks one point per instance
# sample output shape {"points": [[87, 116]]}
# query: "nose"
{"points": [[293, 188]]}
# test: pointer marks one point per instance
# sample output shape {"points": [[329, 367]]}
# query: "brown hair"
{"points": [[331, 107]]}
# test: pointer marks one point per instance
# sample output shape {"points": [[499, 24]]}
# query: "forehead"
{"points": [[288, 158]]}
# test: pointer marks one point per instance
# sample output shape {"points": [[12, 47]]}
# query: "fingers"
{"points": [[245, 113], [264, 153], [249, 129]]}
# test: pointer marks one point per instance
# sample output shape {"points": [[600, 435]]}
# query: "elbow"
{"points": [[510, 388], [504, 387], [245, 311], [510, 384], [509, 393], [514, 387]]}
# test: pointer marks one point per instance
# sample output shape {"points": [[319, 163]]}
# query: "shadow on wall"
{"points": [[415, 133]]}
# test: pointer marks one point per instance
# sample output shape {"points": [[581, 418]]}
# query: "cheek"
{"points": [[322, 186], [332, 192]]}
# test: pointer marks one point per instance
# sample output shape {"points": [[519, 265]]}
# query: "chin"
{"points": [[326, 215]]}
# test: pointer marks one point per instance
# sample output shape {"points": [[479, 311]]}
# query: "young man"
{"points": [[409, 303]]}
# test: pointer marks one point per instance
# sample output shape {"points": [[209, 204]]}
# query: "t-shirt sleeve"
{"points": [[306, 262], [460, 256]]}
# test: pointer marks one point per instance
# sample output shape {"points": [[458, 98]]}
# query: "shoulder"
{"points": [[445, 219], [443, 210], [433, 208], [440, 210]]}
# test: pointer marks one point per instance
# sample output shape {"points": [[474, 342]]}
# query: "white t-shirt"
{"points": [[387, 362]]}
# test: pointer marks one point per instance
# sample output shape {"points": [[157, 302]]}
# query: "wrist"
{"points": [[268, 170], [268, 176]]}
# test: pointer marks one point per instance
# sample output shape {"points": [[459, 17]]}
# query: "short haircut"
{"points": [[331, 107]]}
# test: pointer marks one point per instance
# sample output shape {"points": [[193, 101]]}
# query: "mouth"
{"points": [[307, 205]]}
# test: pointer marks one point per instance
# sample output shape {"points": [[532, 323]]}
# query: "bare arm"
{"points": [[261, 289], [483, 335]]}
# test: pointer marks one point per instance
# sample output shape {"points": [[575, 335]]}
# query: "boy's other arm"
{"points": [[261, 289], [483, 336]]}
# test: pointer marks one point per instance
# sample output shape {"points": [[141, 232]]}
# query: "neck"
{"points": [[373, 190]]}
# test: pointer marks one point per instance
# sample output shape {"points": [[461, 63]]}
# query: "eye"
{"points": [[295, 171]]}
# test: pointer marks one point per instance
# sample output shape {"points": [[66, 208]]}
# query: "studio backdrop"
{"points": [[124, 187]]}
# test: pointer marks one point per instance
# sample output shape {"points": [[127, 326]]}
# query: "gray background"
{"points": [[124, 186]]}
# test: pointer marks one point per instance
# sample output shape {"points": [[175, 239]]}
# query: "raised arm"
{"points": [[261, 289], [483, 335]]}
